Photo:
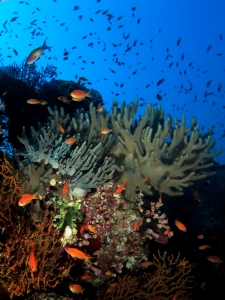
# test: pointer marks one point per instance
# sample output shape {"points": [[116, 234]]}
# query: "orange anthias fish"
{"points": [[100, 108], [33, 101], [83, 226], [145, 179], [26, 199], [70, 140], [76, 253], [183, 263], [120, 188], [137, 224], [79, 95], [175, 296], [86, 277], [106, 131], [146, 264], [76, 288], [61, 129], [65, 187], [63, 99], [180, 225], [91, 228], [200, 236], [36, 53], [215, 259], [32, 261], [203, 247], [44, 102]]}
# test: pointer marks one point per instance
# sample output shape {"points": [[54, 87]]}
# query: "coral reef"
{"points": [[148, 153], [126, 288], [139, 157], [30, 74], [9, 184], [67, 216], [84, 164], [4, 143], [169, 279], [153, 153], [19, 230], [113, 232], [65, 87]]}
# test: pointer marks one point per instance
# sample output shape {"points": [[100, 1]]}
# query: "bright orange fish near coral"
{"points": [[32, 260], [79, 95], [83, 226], [120, 188], [180, 225], [26, 199], [106, 131], [61, 129], [76, 253], [33, 101], [100, 108], [183, 263], [76, 288], [91, 228], [70, 140], [65, 187], [146, 264], [137, 224]]}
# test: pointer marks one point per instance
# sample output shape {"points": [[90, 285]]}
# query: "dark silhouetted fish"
{"points": [[208, 48], [178, 41]]}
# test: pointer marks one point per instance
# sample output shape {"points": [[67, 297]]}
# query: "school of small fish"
{"points": [[176, 57]]}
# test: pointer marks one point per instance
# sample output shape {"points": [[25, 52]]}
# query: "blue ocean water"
{"points": [[125, 48]]}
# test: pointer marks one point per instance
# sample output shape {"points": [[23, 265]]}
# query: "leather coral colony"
{"points": [[151, 152], [147, 153]]}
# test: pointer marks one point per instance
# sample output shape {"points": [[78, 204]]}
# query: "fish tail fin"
{"points": [[45, 46], [89, 259], [89, 94]]}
